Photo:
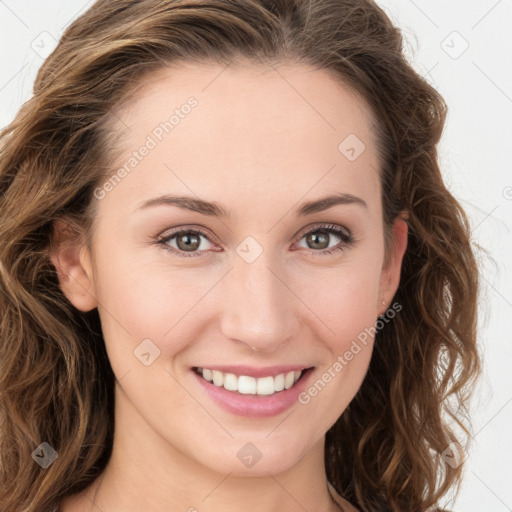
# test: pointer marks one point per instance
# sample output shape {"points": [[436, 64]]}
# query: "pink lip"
{"points": [[252, 405], [250, 371]]}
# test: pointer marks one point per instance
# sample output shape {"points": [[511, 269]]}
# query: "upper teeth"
{"points": [[250, 385]]}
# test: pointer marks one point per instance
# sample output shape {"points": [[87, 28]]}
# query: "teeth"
{"points": [[289, 380], [218, 378], [246, 385], [266, 386], [250, 385], [279, 382], [230, 382]]}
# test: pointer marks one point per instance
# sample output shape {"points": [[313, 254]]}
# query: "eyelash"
{"points": [[346, 237]]}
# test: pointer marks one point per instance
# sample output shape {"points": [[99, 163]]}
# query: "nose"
{"points": [[258, 307]]}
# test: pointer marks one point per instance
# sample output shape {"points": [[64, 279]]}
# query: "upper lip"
{"points": [[251, 371]]}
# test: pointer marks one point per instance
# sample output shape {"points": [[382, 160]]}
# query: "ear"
{"points": [[390, 274], [72, 261]]}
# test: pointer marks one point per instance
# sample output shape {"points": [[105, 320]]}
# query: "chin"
{"points": [[256, 456]]}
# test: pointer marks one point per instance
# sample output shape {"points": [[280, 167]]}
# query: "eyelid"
{"points": [[340, 231], [163, 238], [169, 233], [325, 225]]}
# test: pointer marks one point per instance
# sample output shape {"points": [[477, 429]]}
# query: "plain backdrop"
{"points": [[464, 49]]}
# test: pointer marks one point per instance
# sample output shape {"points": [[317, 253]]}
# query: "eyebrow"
{"points": [[216, 210]]}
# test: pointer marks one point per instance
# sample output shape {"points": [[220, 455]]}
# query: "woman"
{"points": [[232, 276]]}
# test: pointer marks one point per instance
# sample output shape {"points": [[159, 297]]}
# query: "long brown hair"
{"points": [[387, 451]]}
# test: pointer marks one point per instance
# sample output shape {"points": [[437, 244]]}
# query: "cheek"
{"points": [[336, 384], [343, 299], [348, 310], [146, 300]]}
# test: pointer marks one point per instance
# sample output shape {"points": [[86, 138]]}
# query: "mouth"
{"points": [[262, 385]]}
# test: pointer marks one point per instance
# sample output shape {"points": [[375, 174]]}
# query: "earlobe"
{"points": [[390, 275], [72, 261]]}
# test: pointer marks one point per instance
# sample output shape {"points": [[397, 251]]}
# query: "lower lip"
{"points": [[254, 406]]}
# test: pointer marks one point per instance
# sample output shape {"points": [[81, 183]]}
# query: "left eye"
{"points": [[189, 240], [321, 235]]}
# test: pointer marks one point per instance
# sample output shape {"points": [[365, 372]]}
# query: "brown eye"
{"points": [[318, 241], [185, 241], [188, 241]]}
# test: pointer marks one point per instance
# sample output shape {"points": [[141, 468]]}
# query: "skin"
{"points": [[260, 142]]}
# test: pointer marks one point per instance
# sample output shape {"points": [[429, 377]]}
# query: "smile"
{"points": [[247, 385]]}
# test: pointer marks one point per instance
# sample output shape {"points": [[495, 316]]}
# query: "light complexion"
{"points": [[260, 143]]}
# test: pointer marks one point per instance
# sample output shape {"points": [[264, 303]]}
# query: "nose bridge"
{"points": [[258, 308]]}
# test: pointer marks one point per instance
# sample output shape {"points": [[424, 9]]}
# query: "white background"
{"points": [[476, 161]]}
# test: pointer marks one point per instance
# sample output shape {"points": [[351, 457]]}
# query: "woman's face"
{"points": [[248, 288]]}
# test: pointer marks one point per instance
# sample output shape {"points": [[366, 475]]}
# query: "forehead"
{"points": [[252, 132], [288, 93]]}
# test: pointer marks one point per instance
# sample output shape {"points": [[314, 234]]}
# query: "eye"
{"points": [[188, 242], [185, 240], [321, 236]]}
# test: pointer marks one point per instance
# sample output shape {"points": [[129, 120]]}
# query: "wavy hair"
{"points": [[387, 450]]}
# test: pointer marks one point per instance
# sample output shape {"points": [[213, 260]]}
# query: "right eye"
{"points": [[185, 240]]}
